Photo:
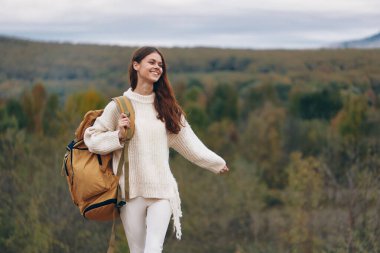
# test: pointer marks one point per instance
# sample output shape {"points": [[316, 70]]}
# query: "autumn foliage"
{"points": [[299, 130]]}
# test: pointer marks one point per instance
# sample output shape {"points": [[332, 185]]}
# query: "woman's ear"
{"points": [[136, 65]]}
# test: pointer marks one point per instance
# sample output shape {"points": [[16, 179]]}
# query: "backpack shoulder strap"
{"points": [[124, 105]]}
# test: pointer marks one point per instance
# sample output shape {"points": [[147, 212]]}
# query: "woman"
{"points": [[159, 125]]}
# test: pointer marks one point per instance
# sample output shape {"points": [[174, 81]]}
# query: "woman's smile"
{"points": [[156, 72]]}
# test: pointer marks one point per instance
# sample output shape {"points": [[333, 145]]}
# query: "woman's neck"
{"points": [[144, 88]]}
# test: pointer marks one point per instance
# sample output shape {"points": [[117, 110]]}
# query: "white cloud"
{"points": [[348, 6], [240, 23]]}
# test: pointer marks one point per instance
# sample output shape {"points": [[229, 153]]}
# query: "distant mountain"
{"points": [[368, 42]]}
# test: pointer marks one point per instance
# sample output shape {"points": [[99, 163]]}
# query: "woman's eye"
{"points": [[153, 63]]}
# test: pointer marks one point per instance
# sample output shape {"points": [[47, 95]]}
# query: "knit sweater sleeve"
{"points": [[189, 146], [102, 138]]}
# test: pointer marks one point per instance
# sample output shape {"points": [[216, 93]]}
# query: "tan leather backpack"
{"points": [[93, 186]]}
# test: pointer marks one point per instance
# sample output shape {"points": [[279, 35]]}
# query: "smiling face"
{"points": [[150, 68]]}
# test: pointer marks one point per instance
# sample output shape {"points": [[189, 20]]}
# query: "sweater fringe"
{"points": [[175, 203]]}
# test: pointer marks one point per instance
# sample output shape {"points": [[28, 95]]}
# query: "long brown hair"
{"points": [[165, 103]]}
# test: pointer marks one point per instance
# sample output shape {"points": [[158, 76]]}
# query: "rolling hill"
{"points": [[367, 42]]}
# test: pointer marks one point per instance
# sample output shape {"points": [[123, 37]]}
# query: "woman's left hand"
{"points": [[224, 170]]}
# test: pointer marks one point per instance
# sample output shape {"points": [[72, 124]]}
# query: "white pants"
{"points": [[145, 223]]}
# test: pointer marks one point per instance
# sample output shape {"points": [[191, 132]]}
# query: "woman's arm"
{"points": [[103, 137], [189, 146]]}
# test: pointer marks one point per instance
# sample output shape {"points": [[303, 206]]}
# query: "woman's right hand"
{"points": [[224, 170], [123, 124]]}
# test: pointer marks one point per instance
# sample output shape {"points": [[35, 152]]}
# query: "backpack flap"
{"points": [[88, 120]]}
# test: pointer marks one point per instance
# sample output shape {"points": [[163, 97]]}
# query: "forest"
{"points": [[299, 130]]}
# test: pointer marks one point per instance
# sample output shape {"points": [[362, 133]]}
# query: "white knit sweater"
{"points": [[148, 153]]}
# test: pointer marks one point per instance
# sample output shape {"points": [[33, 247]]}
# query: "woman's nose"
{"points": [[157, 67]]}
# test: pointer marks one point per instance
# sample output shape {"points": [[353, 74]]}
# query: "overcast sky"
{"points": [[217, 23]]}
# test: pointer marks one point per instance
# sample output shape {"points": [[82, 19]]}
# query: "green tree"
{"points": [[304, 196], [222, 136], [15, 109], [194, 104], [51, 117], [322, 104], [34, 102], [7, 121], [223, 103], [197, 118], [255, 96], [308, 136], [351, 120], [262, 143]]}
